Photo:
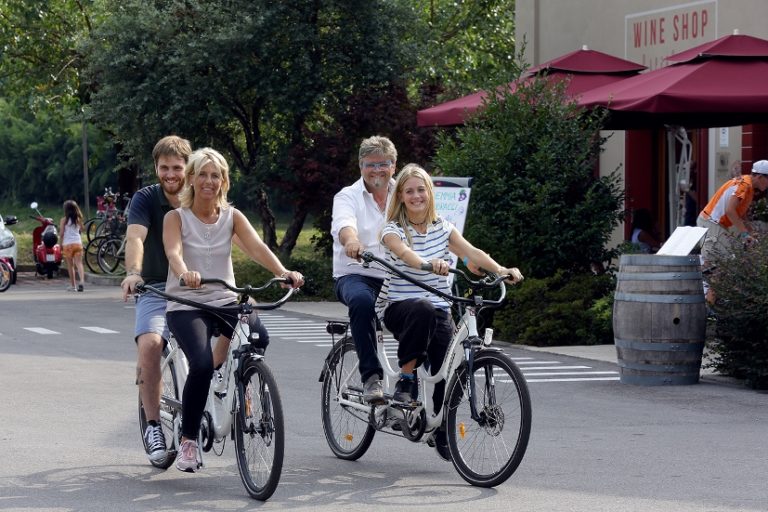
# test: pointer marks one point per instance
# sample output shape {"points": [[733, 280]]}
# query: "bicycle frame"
{"points": [[459, 352]]}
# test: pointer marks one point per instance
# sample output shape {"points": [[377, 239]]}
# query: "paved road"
{"points": [[69, 440]]}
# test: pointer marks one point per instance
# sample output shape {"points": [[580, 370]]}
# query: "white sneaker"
{"points": [[187, 459], [155, 442]]}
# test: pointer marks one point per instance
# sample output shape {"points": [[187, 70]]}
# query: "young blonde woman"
{"points": [[421, 321], [198, 240]]}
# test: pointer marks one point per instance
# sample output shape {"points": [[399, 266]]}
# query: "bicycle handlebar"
{"points": [[244, 292], [491, 280]]}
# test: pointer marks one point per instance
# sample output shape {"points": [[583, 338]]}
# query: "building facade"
{"points": [[646, 31]]}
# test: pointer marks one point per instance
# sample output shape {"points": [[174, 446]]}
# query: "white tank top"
{"points": [[206, 248], [71, 234]]}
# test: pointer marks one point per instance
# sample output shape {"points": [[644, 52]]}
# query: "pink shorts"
{"points": [[72, 250]]}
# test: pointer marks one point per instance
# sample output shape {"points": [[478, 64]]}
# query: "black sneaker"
{"points": [[154, 439], [372, 391], [441, 444], [404, 390]]}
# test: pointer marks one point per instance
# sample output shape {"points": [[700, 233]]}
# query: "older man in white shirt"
{"points": [[359, 213]]}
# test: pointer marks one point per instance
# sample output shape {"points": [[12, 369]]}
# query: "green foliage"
{"points": [[564, 309], [40, 64], [739, 347], [317, 272], [41, 157], [470, 44], [535, 198]]}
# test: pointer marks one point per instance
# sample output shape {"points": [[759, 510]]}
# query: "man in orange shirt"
{"points": [[725, 214]]}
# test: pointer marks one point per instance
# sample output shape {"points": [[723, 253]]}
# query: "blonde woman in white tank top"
{"points": [[198, 240]]}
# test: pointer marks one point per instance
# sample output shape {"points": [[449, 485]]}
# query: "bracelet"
{"points": [[133, 273], [284, 273]]}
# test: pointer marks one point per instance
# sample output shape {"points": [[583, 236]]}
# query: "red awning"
{"points": [[720, 83], [583, 70]]}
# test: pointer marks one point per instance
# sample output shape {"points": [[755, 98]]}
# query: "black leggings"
{"points": [[423, 333], [193, 330]]}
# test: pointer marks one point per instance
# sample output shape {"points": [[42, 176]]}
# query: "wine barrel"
{"points": [[659, 319]]}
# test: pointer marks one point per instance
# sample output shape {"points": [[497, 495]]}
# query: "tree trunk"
{"points": [[267, 219], [293, 232]]}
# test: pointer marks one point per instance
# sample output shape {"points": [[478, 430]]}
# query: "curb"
{"points": [[90, 278]]}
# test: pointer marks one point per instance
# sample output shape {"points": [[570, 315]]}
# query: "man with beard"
{"points": [[359, 212], [145, 261]]}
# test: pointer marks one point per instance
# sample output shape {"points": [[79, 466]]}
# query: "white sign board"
{"points": [[452, 201], [683, 240]]}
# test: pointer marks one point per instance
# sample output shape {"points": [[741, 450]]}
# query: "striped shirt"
{"points": [[431, 245]]}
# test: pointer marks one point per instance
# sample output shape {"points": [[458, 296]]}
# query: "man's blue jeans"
{"points": [[359, 294]]}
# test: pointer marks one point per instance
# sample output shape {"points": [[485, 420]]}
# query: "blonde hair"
{"points": [[197, 160], [396, 210]]}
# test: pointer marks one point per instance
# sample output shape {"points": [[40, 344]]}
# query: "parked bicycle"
{"points": [[486, 411], [244, 403]]}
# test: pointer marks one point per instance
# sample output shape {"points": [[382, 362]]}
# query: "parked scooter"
{"points": [[45, 245]]}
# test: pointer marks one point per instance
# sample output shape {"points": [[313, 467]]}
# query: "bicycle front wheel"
{"points": [[487, 451], [259, 431], [346, 429], [170, 408]]}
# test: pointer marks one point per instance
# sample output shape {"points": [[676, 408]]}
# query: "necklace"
{"points": [[418, 223]]}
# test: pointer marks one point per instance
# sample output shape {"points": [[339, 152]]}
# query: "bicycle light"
{"points": [[488, 337]]}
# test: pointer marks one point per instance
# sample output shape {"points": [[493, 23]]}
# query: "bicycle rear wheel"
{"points": [[259, 430], [108, 255], [6, 276], [170, 407], [347, 430], [487, 452]]}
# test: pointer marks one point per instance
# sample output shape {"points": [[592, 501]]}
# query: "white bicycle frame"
{"points": [[454, 356], [220, 405]]}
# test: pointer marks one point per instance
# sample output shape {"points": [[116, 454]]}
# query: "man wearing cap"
{"points": [[724, 215]]}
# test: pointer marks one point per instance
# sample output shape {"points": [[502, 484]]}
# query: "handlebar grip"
{"points": [[426, 266]]}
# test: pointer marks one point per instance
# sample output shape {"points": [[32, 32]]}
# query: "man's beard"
{"points": [[172, 188]]}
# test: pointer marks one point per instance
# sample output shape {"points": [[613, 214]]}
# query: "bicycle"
{"points": [[110, 255], [487, 418], [243, 402]]}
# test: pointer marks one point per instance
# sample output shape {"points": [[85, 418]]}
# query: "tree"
{"points": [[40, 61], [467, 44], [535, 199], [248, 77]]}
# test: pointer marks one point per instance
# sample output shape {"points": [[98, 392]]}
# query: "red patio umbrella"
{"points": [[583, 69], [720, 83]]}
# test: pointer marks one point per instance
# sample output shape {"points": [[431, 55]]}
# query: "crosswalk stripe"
{"points": [[100, 330], [549, 374], [40, 330]]}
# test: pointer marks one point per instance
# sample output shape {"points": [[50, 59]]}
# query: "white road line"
{"points": [[572, 379], [40, 330], [547, 374], [529, 368], [100, 330], [539, 362]]}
